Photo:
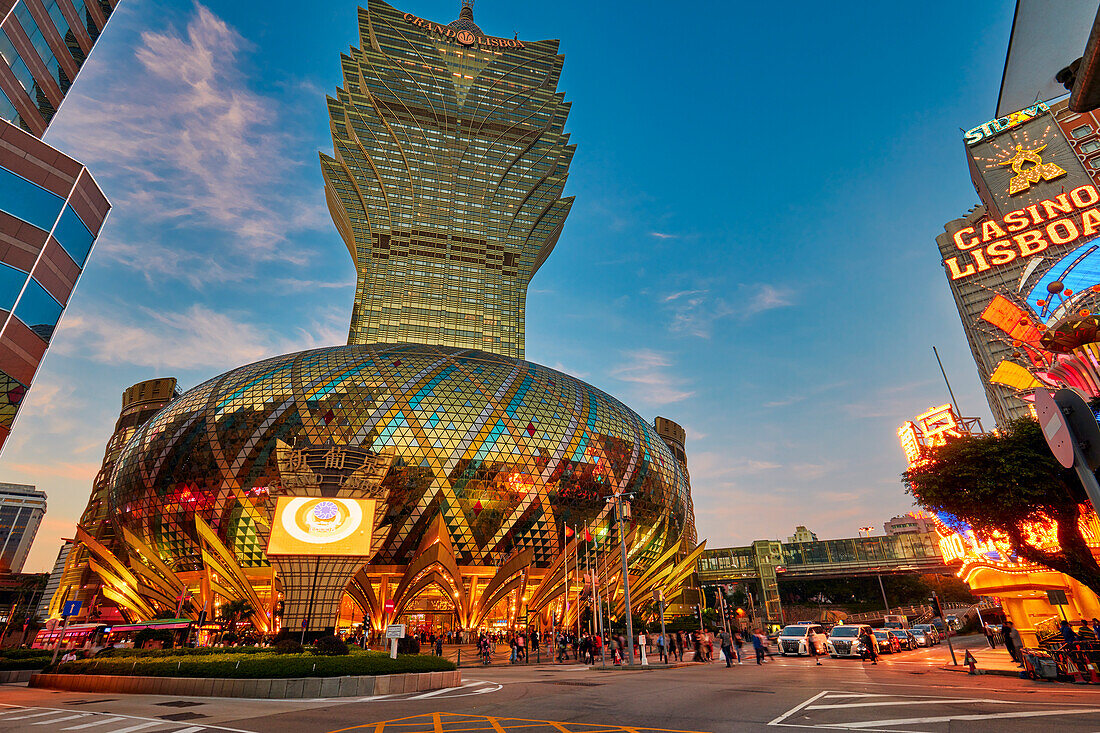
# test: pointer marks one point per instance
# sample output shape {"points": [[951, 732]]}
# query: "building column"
{"points": [[313, 587], [1017, 613]]}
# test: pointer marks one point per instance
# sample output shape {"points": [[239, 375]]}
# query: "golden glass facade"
{"points": [[449, 159]]}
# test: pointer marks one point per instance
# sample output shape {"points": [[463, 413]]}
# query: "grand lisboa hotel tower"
{"points": [[425, 473]]}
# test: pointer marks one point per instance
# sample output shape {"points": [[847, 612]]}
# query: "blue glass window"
{"points": [[30, 27], [38, 310], [11, 282], [7, 109], [74, 236], [15, 61], [24, 200], [65, 31]]}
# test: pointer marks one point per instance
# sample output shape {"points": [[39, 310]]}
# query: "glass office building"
{"points": [[449, 159], [21, 511], [51, 209]]}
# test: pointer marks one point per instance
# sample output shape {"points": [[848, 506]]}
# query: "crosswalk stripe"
{"points": [[891, 703], [987, 716], [35, 715], [139, 726], [192, 729], [58, 720], [94, 723]]}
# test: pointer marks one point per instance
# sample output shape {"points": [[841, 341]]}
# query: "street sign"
{"points": [[1057, 598], [1081, 423], [71, 608], [395, 631], [1055, 428], [389, 607]]}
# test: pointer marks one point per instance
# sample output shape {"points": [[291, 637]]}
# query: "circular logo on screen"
{"points": [[466, 38], [321, 521]]}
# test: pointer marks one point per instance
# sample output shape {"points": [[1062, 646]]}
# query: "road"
{"points": [[905, 692]]}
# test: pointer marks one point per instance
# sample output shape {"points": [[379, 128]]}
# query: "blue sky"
{"points": [[751, 252]]}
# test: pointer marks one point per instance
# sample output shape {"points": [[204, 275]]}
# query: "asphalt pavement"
{"points": [[904, 692]]}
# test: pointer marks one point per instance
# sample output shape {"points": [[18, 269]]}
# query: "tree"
{"points": [[234, 611], [1002, 483]]}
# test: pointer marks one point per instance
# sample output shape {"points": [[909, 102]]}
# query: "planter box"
{"points": [[271, 689]]}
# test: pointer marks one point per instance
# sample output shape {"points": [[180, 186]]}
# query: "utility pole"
{"points": [[618, 499], [883, 589]]}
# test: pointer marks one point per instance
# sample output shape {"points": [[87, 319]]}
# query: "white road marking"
{"points": [[192, 729], [110, 717], [936, 701], [94, 723], [35, 715], [949, 718], [794, 710], [58, 720], [139, 726]]}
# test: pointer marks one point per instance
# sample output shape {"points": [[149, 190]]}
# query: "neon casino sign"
{"points": [[999, 125], [1026, 232]]}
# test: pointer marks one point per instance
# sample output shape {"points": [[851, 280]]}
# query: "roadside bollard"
{"points": [[970, 661]]}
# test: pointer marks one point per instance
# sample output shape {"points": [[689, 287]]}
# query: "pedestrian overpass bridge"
{"points": [[766, 562]]}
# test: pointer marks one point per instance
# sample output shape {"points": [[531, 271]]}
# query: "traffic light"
{"points": [[937, 609]]}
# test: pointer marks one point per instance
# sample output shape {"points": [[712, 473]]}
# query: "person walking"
{"points": [[661, 655], [758, 642], [738, 642], [817, 642], [1013, 642], [1096, 627], [726, 642], [990, 637], [870, 646]]}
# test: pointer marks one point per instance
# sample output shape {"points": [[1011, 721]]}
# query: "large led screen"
{"points": [[316, 525]]}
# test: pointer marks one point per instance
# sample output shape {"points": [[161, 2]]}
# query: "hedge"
{"points": [[260, 665], [26, 662]]}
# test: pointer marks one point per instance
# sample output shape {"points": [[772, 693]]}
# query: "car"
{"points": [[895, 622], [887, 643], [953, 622], [795, 640], [931, 632], [905, 641], [844, 640], [921, 637]]}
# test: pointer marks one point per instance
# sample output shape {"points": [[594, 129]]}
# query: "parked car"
{"points": [[844, 640], [905, 640], [887, 643], [931, 631], [795, 639]]}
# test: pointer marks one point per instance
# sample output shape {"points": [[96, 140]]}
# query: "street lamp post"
{"points": [[618, 499]]}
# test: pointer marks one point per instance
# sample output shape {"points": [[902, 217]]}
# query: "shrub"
{"points": [[268, 664], [288, 646], [331, 646], [37, 661]]}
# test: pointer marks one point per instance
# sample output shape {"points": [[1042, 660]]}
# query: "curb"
{"points": [[15, 676], [994, 672], [282, 688]]}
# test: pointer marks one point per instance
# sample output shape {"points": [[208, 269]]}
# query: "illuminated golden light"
{"points": [[1039, 171]]}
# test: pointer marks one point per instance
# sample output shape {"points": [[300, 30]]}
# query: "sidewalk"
{"points": [[990, 661]]}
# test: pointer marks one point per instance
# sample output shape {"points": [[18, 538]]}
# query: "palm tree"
{"points": [[234, 611]]}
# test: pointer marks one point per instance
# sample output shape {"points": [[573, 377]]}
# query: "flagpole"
{"points": [[599, 614], [577, 567]]}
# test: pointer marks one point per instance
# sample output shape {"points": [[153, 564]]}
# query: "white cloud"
{"points": [[649, 371], [664, 235], [196, 338], [764, 297], [183, 140]]}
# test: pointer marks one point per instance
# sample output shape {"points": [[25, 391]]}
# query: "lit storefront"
{"points": [[990, 568]]}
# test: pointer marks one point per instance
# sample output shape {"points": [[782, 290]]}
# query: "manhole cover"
{"points": [[180, 704], [182, 716], [89, 702]]}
